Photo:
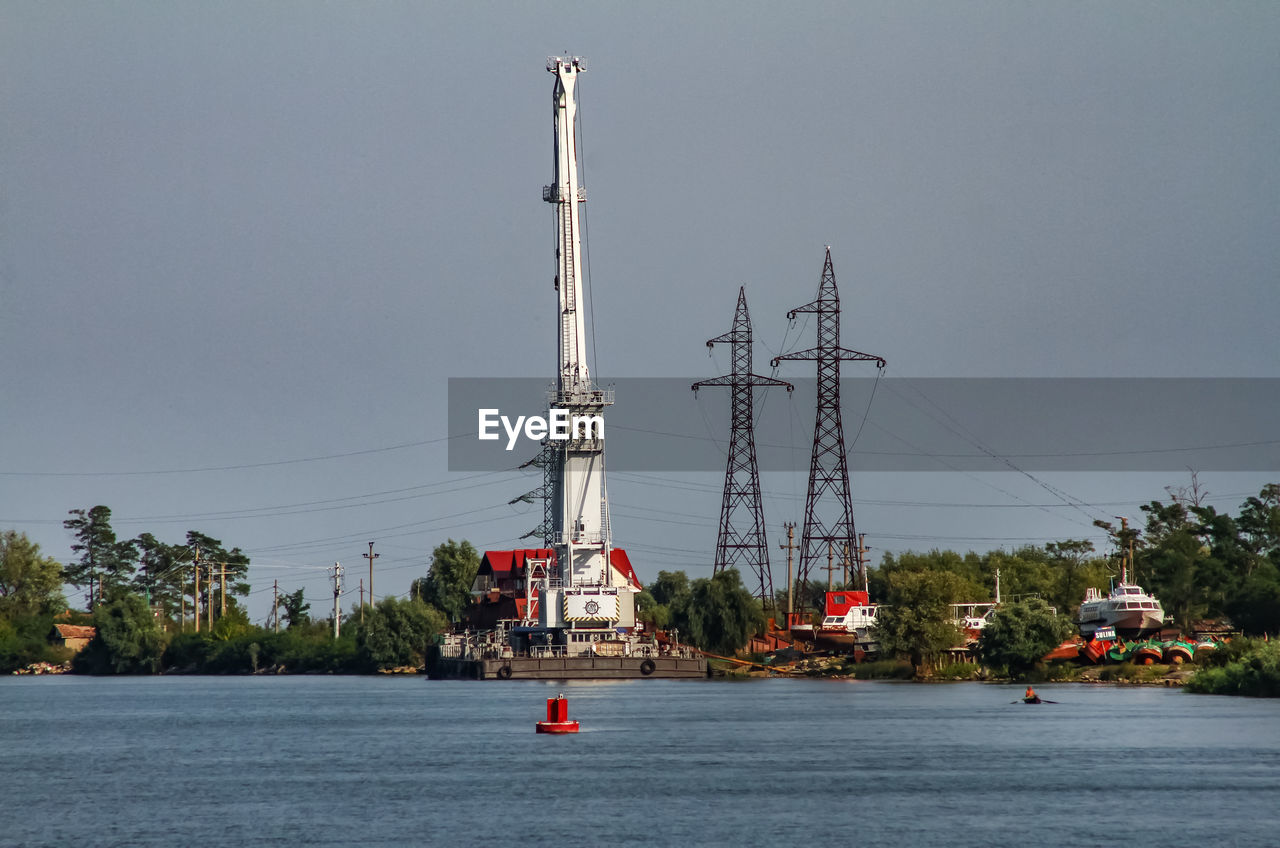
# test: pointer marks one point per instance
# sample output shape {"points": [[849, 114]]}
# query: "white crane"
{"points": [[580, 511]]}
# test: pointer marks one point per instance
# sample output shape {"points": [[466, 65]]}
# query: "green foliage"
{"points": [[651, 612], [233, 564], [453, 572], [1019, 634], [916, 623], [658, 604], [958, 671], [1202, 563], [1257, 674], [719, 614], [396, 633], [30, 584], [162, 569], [233, 625], [103, 560], [129, 640], [671, 589], [304, 648], [296, 609], [25, 640]]}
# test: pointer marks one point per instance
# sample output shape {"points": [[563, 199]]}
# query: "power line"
{"points": [[239, 467]]}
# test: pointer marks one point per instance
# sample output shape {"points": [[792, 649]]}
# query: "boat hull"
{"points": [[1129, 625], [568, 668]]}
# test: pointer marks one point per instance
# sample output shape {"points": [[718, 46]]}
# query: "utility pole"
{"points": [[789, 547], [362, 600], [209, 604], [371, 556], [863, 550], [222, 613], [337, 593], [844, 568], [830, 564], [195, 601]]}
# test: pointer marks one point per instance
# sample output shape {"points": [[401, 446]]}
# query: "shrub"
{"points": [[1255, 673]]}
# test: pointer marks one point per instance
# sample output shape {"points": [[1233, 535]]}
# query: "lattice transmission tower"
{"points": [[741, 542], [828, 508]]}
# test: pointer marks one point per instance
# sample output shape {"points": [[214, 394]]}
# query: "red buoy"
{"points": [[557, 717]]}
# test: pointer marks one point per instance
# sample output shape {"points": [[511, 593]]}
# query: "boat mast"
{"points": [[580, 532]]}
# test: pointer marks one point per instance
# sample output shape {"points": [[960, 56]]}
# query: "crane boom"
{"points": [[580, 509]]}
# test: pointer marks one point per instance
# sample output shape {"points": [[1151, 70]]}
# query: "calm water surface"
{"points": [[404, 761]]}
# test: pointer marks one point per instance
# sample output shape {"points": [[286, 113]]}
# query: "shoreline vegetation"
{"points": [[172, 608], [1244, 666]]}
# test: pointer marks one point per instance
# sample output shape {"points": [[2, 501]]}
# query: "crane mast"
{"points": [[580, 531]]}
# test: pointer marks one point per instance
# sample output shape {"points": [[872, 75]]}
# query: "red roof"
{"points": [[75, 631], [510, 564], [619, 560]]}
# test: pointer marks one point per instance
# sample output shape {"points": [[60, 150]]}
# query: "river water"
{"points": [[358, 761]]}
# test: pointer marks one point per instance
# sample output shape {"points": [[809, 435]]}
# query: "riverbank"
{"points": [[843, 668]]}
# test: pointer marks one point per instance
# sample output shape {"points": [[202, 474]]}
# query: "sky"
{"points": [[244, 247]]}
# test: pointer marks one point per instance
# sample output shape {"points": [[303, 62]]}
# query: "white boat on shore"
{"points": [[1131, 610]]}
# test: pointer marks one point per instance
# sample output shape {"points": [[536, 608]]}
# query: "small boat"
{"points": [[1149, 652], [1095, 650], [848, 620], [1205, 645], [1121, 652], [1179, 651], [1034, 699]]}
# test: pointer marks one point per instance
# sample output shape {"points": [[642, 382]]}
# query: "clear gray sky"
{"points": [[243, 245]]}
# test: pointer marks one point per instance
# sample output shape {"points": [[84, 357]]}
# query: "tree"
{"points": [[1019, 634], [104, 563], [658, 603], [670, 589], [396, 633], [161, 568], [30, 584], [916, 624], [225, 567], [1069, 557], [129, 640], [719, 614], [453, 572], [651, 612], [296, 609]]}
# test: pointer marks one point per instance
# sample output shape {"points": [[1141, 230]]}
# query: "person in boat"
{"points": [[1031, 693]]}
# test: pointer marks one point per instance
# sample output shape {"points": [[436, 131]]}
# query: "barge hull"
{"points": [[568, 668]]}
